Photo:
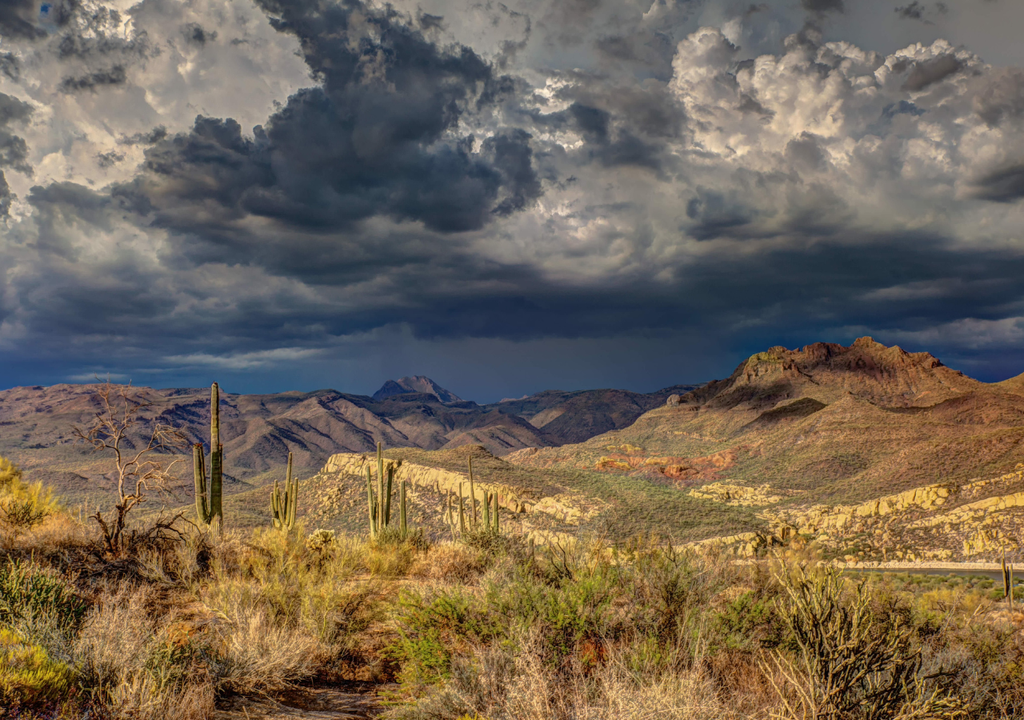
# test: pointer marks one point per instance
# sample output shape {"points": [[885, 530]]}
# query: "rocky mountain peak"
{"points": [[878, 373], [416, 384]]}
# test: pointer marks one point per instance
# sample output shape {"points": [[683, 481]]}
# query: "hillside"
{"points": [[822, 424], [542, 504]]}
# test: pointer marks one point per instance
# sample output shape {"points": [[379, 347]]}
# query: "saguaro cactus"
{"points": [[379, 502], [472, 495], [209, 508], [283, 504]]}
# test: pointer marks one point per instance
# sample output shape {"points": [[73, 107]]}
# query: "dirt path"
{"points": [[354, 701]]}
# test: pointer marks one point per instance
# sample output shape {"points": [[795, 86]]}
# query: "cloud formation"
{"points": [[580, 172]]}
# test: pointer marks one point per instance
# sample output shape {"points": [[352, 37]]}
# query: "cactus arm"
{"points": [[497, 529], [275, 506], [403, 519], [462, 513], [199, 468], [472, 492], [293, 497], [370, 503], [381, 521], [387, 495], [487, 510]]}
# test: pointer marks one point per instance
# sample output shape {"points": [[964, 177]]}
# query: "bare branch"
{"points": [[138, 471]]}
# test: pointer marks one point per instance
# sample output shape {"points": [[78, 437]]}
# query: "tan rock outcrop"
{"points": [[736, 494], [436, 479], [562, 508]]}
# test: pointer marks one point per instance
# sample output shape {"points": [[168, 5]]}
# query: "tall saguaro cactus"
{"points": [[283, 504], [209, 508], [472, 496], [378, 502]]}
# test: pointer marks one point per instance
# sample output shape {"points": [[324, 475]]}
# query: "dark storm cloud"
{"points": [[852, 280], [1001, 97], [195, 34], [371, 139], [823, 6], [109, 159], [13, 149], [1002, 185], [919, 11], [19, 19], [649, 179], [928, 72], [5, 196], [851, 283], [10, 66], [115, 75], [148, 138]]}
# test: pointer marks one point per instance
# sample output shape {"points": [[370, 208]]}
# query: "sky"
{"points": [[504, 196]]}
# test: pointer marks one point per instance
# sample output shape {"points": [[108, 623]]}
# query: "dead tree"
{"points": [[140, 469]]}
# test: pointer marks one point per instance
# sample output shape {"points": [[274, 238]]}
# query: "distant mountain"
{"points": [[258, 431], [824, 423], [416, 384]]}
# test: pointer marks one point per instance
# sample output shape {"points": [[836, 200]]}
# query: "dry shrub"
{"points": [[514, 682], [668, 695], [114, 641], [180, 561], [449, 562], [59, 531], [140, 696], [389, 560], [131, 671], [260, 655]]}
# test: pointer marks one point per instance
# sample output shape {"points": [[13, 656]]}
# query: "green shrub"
{"points": [[748, 622], [567, 607], [36, 600], [23, 505], [9, 473], [28, 676], [431, 628]]}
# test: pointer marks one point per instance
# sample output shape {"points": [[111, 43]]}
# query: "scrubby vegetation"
{"points": [[488, 627]]}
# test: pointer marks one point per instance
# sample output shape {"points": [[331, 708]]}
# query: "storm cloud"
{"points": [[323, 184]]}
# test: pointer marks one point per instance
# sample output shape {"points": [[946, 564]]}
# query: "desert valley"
{"points": [[816, 499]]}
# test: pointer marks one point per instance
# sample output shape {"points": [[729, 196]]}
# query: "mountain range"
{"points": [[258, 431]]}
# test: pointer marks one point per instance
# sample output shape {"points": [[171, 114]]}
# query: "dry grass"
{"points": [[124, 660], [502, 683], [449, 562], [261, 656]]}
